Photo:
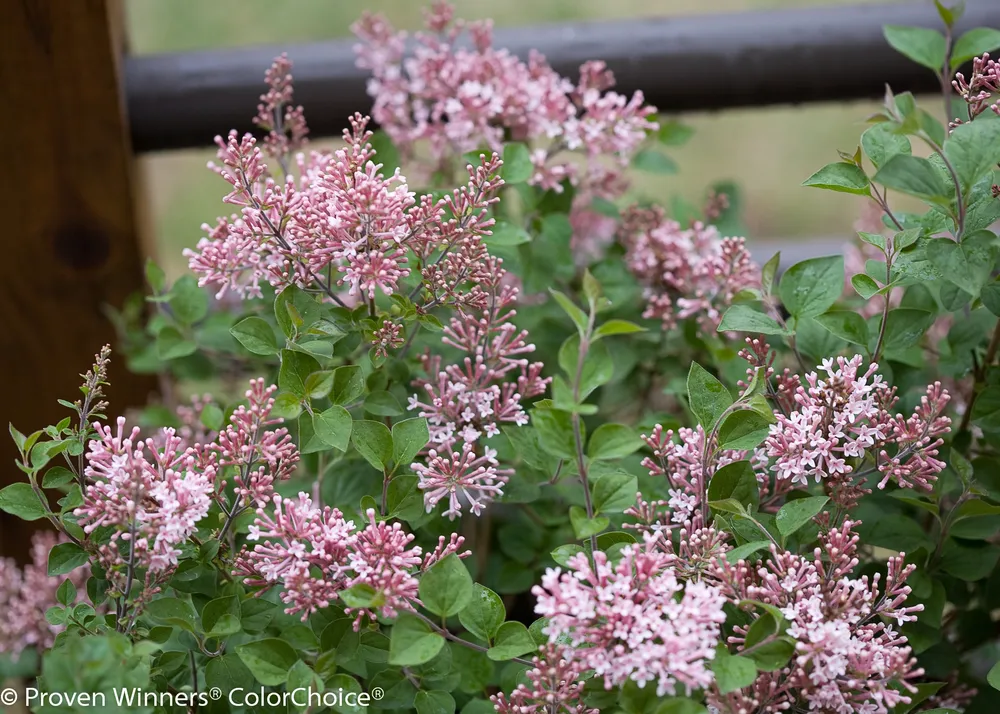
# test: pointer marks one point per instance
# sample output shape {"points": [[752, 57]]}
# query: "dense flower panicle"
{"points": [[634, 620], [259, 454], [845, 416], [336, 221], [682, 464], [461, 478], [554, 685], [467, 402], [693, 272], [459, 98], [285, 125], [978, 90], [847, 651], [152, 497], [27, 593], [314, 554]]}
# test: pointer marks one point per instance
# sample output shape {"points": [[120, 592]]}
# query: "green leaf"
{"points": [[319, 384], [295, 369], [968, 264], [708, 398], [484, 614], [614, 491], [795, 514], [373, 440], [985, 413], [585, 527], [864, 286], [673, 132], [914, 176], [155, 276], [613, 441], [256, 335], [990, 295], [743, 429], [732, 672], [333, 427], [348, 384], [881, 143], [434, 702], [616, 327], [555, 432], [747, 549], [846, 325], [736, 481], [446, 587], [228, 673], [840, 176], [968, 563], [408, 438], [66, 594], [517, 166], [743, 318], [413, 642], [382, 404], [221, 617], [268, 660], [578, 316], [768, 273], [563, 553], [974, 150], [20, 500], [66, 557], [188, 302], [923, 46], [512, 640], [993, 676], [654, 162], [905, 326], [812, 287], [173, 611], [507, 234], [171, 344], [974, 43]]}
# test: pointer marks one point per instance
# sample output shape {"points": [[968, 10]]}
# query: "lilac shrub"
{"points": [[508, 436]]}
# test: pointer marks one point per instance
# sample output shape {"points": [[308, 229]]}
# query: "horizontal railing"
{"points": [[681, 64]]}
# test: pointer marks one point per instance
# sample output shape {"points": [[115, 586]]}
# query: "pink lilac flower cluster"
{"points": [[682, 463], [848, 653], [554, 684], [693, 272], [336, 222], [843, 417], [978, 90], [27, 593], [465, 403], [460, 98], [154, 492], [634, 620], [315, 554]]}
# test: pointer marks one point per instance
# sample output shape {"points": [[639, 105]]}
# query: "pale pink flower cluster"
{"points": [[27, 593], [336, 222], [315, 554], [466, 403], [459, 98], [693, 272], [154, 492], [847, 650], [554, 685], [844, 416], [978, 91], [152, 497], [635, 620], [682, 463]]}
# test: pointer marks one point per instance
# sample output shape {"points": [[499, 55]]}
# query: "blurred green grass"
{"points": [[768, 152]]}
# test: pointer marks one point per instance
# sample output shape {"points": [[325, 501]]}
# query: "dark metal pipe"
{"points": [[681, 64]]}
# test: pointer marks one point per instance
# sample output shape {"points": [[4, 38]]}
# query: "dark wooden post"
{"points": [[70, 243]]}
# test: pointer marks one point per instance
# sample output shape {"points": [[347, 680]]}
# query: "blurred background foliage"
{"points": [[767, 152]]}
